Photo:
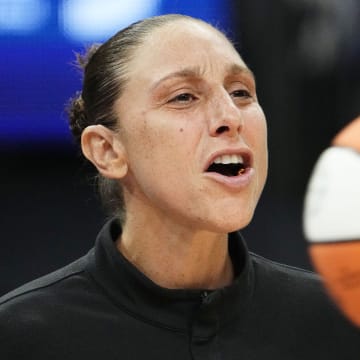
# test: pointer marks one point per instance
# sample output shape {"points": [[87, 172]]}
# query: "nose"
{"points": [[226, 117]]}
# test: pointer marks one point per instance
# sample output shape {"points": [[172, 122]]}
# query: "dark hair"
{"points": [[105, 76]]}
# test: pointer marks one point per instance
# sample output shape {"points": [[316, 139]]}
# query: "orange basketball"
{"points": [[339, 264], [332, 219], [349, 136]]}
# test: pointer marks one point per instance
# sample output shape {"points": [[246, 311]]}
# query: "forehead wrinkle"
{"points": [[188, 72]]}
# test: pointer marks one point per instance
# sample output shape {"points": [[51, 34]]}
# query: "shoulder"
{"points": [[44, 284], [295, 296], [288, 285], [32, 309]]}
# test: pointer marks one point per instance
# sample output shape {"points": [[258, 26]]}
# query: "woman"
{"points": [[168, 115]]}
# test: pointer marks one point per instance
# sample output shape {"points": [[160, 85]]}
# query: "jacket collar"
{"points": [[205, 311]]}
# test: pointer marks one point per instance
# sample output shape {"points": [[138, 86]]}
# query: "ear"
{"points": [[104, 149]]}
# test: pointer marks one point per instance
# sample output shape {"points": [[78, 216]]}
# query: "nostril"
{"points": [[222, 129]]}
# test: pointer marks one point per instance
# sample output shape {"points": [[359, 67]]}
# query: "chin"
{"points": [[228, 224], [234, 218], [239, 225]]}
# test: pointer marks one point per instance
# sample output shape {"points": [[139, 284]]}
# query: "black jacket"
{"points": [[102, 307]]}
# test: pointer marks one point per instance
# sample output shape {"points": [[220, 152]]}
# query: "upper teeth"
{"points": [[229, 159]]}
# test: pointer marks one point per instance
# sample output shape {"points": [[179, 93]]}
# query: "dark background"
{"points": [[305, 55]]}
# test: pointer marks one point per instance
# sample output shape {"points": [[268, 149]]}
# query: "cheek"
{"points": [[157, 148], [255, 130], [169, 135], [255, 135]]}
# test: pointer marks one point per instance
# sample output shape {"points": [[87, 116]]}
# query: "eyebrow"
{"points": [[236, 69], [195, 71]]}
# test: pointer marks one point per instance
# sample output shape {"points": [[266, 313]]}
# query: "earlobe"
{"points": [[103, 148]]}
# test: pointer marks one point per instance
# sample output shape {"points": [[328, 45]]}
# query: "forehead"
{"points": [[183, 44]]}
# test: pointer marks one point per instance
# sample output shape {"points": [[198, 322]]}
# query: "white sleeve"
{"points": [[332, 201]]}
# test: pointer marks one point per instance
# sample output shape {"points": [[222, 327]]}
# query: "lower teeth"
{"points": [[241, 171]]}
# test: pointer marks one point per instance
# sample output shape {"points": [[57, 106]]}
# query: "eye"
{"points": [[183, 98], [241, 93]]}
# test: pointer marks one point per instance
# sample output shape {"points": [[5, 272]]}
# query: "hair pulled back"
{"points": [[105, 74]]}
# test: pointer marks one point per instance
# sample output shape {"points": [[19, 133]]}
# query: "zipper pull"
{"points": [[204, 296]]}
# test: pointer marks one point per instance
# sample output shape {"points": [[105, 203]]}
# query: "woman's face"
{"points": [[190, 102]]}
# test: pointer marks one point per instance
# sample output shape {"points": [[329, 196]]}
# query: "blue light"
{"points": [[96, 20], [21, 16], [38, 38]]}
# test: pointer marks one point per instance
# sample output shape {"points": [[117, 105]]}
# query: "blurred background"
{"points": [[306, 58]]}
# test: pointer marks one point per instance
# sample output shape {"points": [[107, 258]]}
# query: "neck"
{"points": [[174, 256]]}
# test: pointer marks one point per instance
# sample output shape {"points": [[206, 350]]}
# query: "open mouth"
{"points": [[228, 165]]}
